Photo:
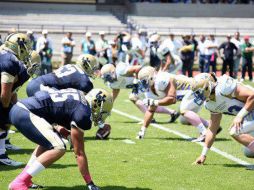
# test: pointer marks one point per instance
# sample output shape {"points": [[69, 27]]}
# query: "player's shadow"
{"points": [[81, 187], [168, 138], [110, 138], [21, 151]]}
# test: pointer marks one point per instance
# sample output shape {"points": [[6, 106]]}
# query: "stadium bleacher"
{"points": [[197, 25]]}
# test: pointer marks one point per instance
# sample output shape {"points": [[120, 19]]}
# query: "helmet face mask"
{"points": [[146, 78], [108, 77], [33, 64], [20, 45], [108, 73], [203, 87]]}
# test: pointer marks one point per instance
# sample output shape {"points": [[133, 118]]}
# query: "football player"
{"points": [[123, 77], [34, 117], [15, 70], [164, 89], [68, 76], [224, 95]]}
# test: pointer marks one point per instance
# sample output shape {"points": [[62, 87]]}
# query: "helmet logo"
{"points": [[100, 98]]}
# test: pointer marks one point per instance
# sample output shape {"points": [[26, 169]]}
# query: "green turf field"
{"points": [[162, 161]]}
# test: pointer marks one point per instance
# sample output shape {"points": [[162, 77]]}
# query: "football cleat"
{"points": [[10, 146], [141, 135], [19, 184], [201, 138], [5, 160], [174, 117], [35, 186], [219, 130]]}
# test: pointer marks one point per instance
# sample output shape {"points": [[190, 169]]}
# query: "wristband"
{"points": [[87, 178], [242, 113], [156, 102], [205, 151]]}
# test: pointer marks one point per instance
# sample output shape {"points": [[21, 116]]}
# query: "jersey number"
{"points": [[234, 109], [62, 95], [65, 71]]}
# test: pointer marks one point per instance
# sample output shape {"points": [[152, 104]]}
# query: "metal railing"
{"points": [[62, 28]]}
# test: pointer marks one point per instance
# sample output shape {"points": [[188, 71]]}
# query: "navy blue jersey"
{"points": [[11, 65], [68, 76], [61, 107]]}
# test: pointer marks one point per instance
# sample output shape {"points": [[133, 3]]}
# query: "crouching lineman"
{"points": [[15, 70], [68, 76], [123, 77], [224, 95], [164, 89], [70, 108]]}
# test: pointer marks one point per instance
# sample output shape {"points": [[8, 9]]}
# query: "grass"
{"points": [[162, 161]]}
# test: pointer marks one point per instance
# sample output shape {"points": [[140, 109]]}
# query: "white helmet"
{"points": [[146, 77], [203, 85], [88, 64], [108, 73], [101, 103]]}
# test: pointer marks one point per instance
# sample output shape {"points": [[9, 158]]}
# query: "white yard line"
{"points": [[128, 141], [177, 133]]}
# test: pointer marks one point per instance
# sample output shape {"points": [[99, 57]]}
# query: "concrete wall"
{"points": [[191, 10], [15, 7]]}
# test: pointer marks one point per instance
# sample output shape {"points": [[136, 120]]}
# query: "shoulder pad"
{"points": [[122, 68], [162, 80], [227, 85]]}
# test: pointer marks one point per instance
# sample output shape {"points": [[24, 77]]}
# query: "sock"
{"points": [[205, 122], [35, 168], [161, 109], [201, 128], [141, 106], [2, 142], [251, 146], [192, 118], [31, 160], [143, 129]]}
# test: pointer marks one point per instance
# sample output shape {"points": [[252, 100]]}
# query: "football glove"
{"points": [[92, 186], [150, 102]]}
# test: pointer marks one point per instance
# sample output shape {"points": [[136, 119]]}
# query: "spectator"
{"points": [[46, 54], [101, 48], [173, 44], [201, 50], [211, 46], [88, 45], [153, 51], [236, 40], [228, 59], [112, 52], [246, 58], [42, 40], [30, 35], [68, 44], [187, 56], [137, 49]]}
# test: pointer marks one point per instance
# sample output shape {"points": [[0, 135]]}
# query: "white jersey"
{"points": [[122, 81], [183, 85], [224, 97]]}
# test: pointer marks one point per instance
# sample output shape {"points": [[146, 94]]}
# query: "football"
{"points": [[103, 133]]}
